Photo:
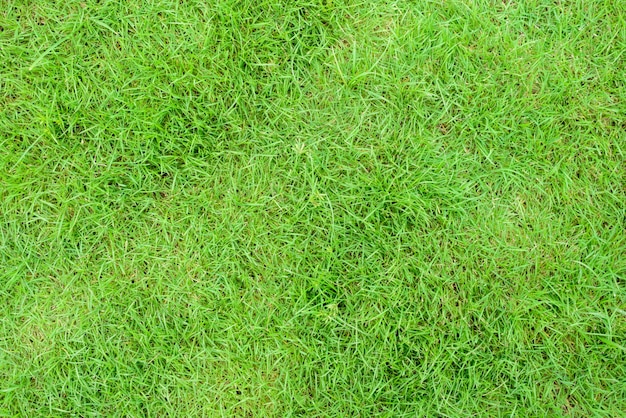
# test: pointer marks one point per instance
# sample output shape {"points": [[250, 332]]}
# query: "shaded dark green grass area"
{"points": [[319, 208]]}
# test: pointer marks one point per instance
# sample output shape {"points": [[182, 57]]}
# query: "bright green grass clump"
{"points": [[281, 208]]}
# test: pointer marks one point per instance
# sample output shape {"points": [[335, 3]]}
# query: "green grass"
{"points": [[315, 208]]}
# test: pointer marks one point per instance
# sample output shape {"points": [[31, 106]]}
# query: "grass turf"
{"points": [[318, 208]]}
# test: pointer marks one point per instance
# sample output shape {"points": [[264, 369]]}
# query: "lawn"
{"points": [[273, 208]]}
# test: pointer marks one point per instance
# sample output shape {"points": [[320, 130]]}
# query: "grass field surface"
{"points": [[313, 208]]}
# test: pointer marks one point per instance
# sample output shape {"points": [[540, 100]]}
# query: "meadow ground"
{"points": [[312, 208]]}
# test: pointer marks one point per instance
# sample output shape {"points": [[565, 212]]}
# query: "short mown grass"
{"points": [[313, 208]]}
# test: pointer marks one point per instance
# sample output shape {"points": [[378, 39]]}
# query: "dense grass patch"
{"points": [[318, 208]]}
